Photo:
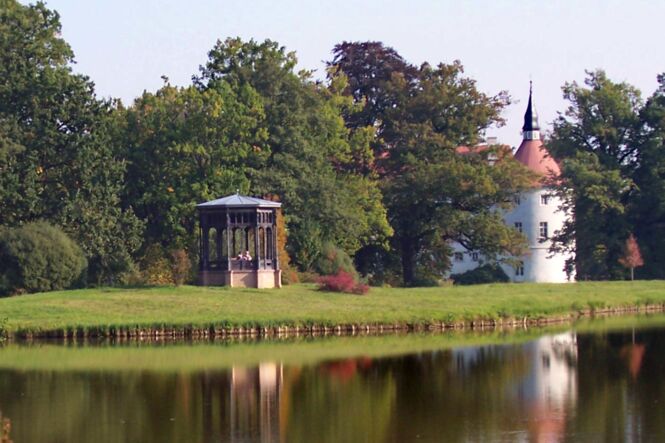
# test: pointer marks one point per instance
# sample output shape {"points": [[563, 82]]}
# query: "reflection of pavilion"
{"points": [[255, 403]]}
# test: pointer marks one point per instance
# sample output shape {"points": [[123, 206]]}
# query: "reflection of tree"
{"points": [[441, 396], [342, 401], [619, 397]]}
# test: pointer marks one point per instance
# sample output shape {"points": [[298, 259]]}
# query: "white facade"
{"points": [[536, 214]]}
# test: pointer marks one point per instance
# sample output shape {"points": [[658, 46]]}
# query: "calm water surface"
{"points": [[602, 386]]}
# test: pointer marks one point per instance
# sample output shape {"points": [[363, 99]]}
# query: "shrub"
{"points": [[181, 266], [342, 282], [289, 276], [155, 267], [38, 257], [333, 259], [308, 277], [490, 273]]}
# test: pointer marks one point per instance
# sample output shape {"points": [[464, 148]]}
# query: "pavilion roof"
{"points": [[239, 201]]}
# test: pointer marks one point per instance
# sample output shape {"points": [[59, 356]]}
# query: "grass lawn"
{"points": [[299, 305]]}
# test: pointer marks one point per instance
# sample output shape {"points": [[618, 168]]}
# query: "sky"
{"points": [[125, 46]]}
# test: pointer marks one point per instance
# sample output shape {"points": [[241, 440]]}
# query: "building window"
{"points": [[474, 256], [519, 270], [544, 199], [459, 256], [543, 231], [518, 226]]}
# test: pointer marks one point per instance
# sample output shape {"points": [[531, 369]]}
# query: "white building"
{"points": [[536, 214]]}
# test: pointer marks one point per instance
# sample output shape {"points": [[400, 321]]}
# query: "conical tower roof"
{"points": [[530, 116], [532, 153]]}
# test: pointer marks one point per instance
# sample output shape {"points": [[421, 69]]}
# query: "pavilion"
{"points": [[230, 227]]}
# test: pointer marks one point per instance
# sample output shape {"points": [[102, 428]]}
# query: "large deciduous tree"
{"points": [[56, 153], [598, 140], [647, 208], [185, 146], [434, 195], [312, 155]]}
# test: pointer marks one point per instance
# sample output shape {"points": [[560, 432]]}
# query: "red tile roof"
{"points": [[534, 156]]}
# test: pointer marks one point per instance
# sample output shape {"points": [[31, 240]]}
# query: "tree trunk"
{"points": [[632, 273], [408, 261]]}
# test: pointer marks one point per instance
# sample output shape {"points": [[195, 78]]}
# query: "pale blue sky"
{"points": [[126, 45]]}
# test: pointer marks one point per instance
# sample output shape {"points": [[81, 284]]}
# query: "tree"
{"points": [[647, 205], [434, 196], [369, 67], [597, 140], [185, 146], [311, 152], [632, 257], [57, 159]]}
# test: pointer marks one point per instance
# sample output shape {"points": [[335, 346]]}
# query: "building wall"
{"points": [[539, 264]]}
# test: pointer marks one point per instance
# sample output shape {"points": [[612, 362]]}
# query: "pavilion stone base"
{"points": [[242, 279]]}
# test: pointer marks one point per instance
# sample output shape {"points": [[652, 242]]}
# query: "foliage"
{"points": [[56, 151], [186, 146], [488, 273], [632, 257], [181, 266], [647, 206], [155, 266], [333, 260], [369, 67], [342, 282], [308, 147], [597, 141], [432, 194], [38, 257]]}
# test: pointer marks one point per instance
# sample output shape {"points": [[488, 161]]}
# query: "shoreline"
{"points": [[212, 331]]}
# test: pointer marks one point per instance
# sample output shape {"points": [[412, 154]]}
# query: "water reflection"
{"points": [[565, 387]]}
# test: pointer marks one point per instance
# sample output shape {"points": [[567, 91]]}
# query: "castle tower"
{"points": [[536, 212]]}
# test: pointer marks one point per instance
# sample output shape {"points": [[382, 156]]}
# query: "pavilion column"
{"points": [[218, 245], [256, 247], [205, 249], [229, 252], [235, 246], [200, 248], [273, 230]]}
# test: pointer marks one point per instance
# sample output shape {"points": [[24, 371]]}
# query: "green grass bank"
{"points": [[191, 310]]}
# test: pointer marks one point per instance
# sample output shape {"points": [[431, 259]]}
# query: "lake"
{"points": [[598, 380]]}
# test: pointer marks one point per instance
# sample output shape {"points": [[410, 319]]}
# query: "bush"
{"points": [[332, 260], [342, 282], [181, 266], [155, 267], [482, 274], [38, 257]]}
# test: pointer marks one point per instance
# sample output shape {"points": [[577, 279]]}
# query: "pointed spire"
{"points": [[531, 128]]}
